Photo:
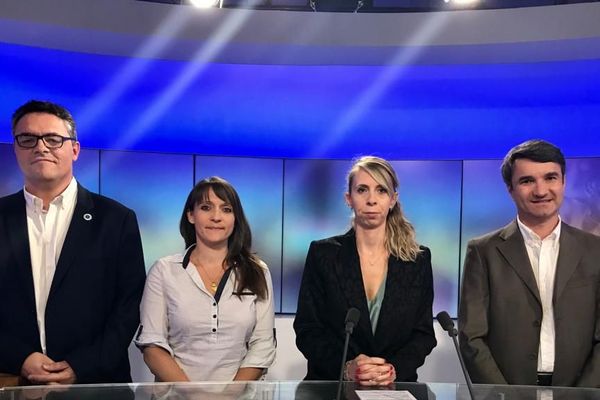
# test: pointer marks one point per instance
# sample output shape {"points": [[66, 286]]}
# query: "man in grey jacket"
{"points": [[530, 299]]}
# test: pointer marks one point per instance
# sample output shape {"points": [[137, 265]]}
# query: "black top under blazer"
{"points": [[332, 283], [93, 305]]}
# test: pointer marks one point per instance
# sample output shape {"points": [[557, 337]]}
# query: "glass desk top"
{"points": [[272, 390]]}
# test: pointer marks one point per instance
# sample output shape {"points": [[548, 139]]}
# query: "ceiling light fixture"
{"points": [[461, 2], [204, 3]]}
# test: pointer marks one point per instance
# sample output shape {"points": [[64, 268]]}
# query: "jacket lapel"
{"points": [[514, 251], [569, 255], [393, 287], [350, 278], [79, 233], [18, 238]]}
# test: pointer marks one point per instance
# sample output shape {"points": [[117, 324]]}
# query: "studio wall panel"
{"points": [[581, 207], [314, 209], [155, 186], [12, 179], [87, 169], [486, 204], [430, 193]]}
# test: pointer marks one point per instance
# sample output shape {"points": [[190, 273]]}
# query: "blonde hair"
{"points": [[400, 237]]}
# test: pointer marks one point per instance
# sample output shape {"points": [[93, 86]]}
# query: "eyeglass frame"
{"points": [[43, 139]]}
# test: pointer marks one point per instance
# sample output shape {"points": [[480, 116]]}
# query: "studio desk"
{"points": [[273, 390]]}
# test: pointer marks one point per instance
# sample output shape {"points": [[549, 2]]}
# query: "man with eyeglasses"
{"points": [[71, 264]]}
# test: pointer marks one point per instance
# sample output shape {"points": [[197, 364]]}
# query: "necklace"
{"points": [[371, 259], [213, 282]]}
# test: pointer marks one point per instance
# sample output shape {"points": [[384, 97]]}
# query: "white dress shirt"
{"points": [[209, 340], [47, 230], [543, 255]]}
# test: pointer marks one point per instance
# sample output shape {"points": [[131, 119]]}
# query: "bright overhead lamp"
{"points": [[204, 3], [462, 2]]}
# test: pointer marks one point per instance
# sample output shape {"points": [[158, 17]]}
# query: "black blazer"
{"points": [[93, 306], [332, 283]]}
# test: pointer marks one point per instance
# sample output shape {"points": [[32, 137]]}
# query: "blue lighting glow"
{"points": [[418, 112]]}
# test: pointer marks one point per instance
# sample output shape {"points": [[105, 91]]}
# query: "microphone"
{"points": [[448, 325], [352, 317]]}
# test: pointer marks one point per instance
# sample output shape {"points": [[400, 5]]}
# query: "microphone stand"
{"points": [[344, 355], [352, 317], [462, 363], [448, 325]]}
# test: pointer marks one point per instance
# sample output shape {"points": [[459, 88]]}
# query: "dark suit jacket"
{"points": [[332, 283], [500, 310], [93, 305]]}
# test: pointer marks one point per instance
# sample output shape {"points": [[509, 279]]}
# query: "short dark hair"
{"points": [[246, 265], [535, 150], [47, 107]]}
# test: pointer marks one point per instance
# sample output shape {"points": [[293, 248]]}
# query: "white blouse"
{"points": [[209, 340]]}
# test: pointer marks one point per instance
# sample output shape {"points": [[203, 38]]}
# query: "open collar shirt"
{"points": [[47, 230], [543, 256], [209, 338]]}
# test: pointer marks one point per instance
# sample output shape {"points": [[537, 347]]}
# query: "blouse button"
{"points": [[214, 330], [214, 315]]}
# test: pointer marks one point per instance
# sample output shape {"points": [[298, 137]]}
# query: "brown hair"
{"points": [[246, 266]]}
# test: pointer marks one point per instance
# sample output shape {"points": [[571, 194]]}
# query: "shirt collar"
{"points": [[33, 202], [67, 197], [531, 237], [187, 255]]}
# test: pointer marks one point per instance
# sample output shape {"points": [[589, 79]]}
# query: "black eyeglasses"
{"points": [[51, 140]]}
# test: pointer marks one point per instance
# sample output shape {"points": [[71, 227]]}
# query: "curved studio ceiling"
{"points": [[453, 85]]}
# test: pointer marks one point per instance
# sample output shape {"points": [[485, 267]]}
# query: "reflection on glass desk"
{"points": [[267, 390]]}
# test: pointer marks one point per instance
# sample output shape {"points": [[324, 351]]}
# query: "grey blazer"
{"points": [[500, 310]]}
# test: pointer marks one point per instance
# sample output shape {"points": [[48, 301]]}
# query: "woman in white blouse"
{"points": [[208, 314]]}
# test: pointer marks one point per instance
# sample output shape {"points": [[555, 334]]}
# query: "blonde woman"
{"points": [[379, 268]]}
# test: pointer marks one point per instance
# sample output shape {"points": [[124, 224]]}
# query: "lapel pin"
{"points": [[87, 217]]}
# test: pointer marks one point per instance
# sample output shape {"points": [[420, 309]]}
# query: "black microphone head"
{"points": [[352, 316], [446, 322]]}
